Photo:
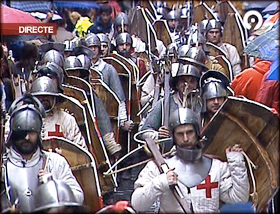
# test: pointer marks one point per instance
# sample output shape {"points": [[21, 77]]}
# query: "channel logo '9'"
{"points": [[252, 20]]}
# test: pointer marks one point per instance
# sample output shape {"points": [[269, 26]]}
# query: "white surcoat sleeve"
{"points": [[60, 170], [226, 181]]}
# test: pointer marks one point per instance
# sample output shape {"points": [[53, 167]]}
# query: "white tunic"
{"points": [[62, 124], [226, 181], [55, 164]]}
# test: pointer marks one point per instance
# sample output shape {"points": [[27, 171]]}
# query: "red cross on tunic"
{"points": [[208, 186], [56, 133]]}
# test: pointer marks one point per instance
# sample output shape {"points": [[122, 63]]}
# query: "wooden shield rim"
{"points": [[62, 140], [262, 151]]}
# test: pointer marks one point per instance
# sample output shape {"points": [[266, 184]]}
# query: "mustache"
{"points": [[23, 141]]}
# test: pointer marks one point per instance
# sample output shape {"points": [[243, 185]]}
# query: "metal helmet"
{"points": [[162, 4], [160, 11], [26, 117], [55, 194], [198, 39], [69, 45], [123, 38], [182, 51], [44, 86], [52, 68], [195, 56], [58, 46], [188, 70], [121, 19], [188, 5], [183, 116], [54, 56], [213, 84], [212, 89], [86, 62], [183, 70], [213, 24], [92, 40], [83, 50], [105, 39], [202, 26], [72, 63], [216, 75], [173, 14], [185, 12]]}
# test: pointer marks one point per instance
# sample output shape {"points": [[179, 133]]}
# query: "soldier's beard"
{"points": [[124, 53], [25, 147]]}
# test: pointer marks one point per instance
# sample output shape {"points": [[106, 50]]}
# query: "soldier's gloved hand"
{"points": [[127, 125], [172, 177], [163, 132]]}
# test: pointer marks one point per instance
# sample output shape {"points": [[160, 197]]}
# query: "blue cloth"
{"points": [[99, 27], [30, 6], [76, 4], [274, 71], [265, 46], [238, 208]]}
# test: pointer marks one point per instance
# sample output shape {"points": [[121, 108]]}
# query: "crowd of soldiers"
{"points": [[87, 99]]}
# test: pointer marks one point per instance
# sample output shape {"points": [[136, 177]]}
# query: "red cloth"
{"points": [[116, 9], [268, 93], [142, 67], [248, 82]]}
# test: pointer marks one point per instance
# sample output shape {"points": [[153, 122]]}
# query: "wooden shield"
{"points": [[202, 11], [225, 63], [234, 32], [129, 75], [142, 27], [83, 167], [82, 84], [162, 31], [256, 128], [74, 103], [109, 98], [150, 7], [215, 50]]}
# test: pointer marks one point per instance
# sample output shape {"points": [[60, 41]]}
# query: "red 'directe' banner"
{"points": [[28, 29]]}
